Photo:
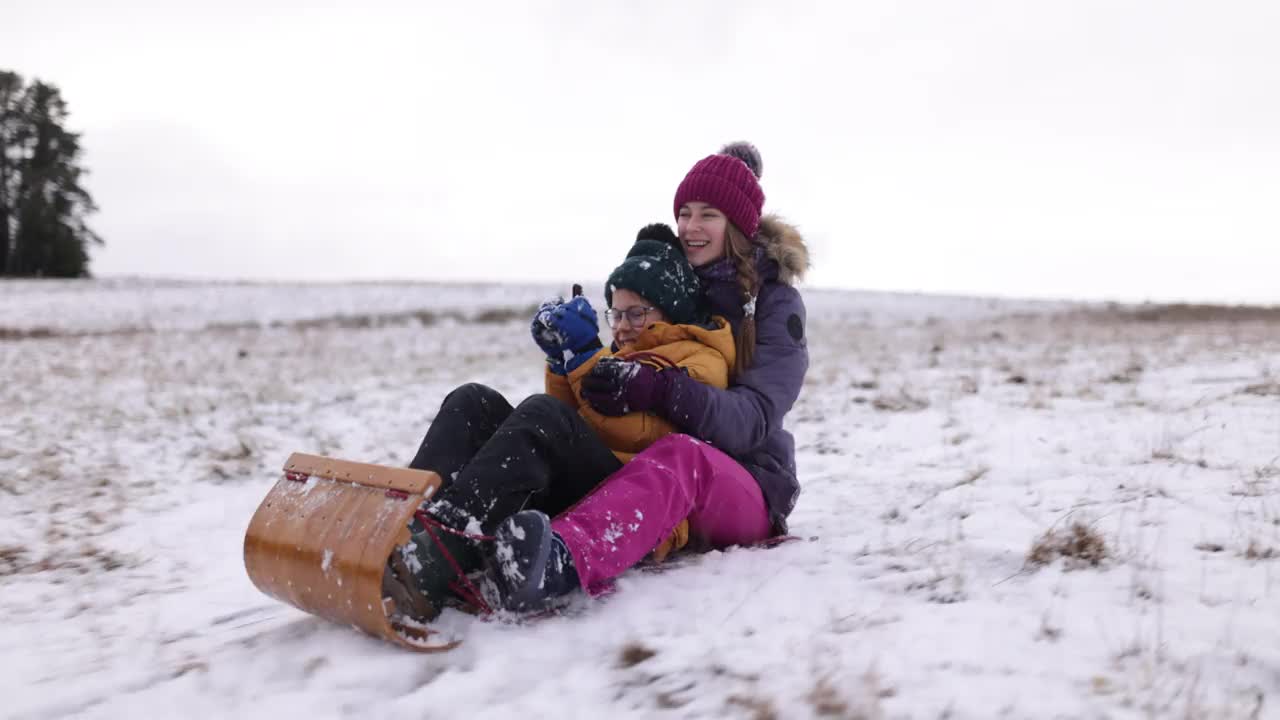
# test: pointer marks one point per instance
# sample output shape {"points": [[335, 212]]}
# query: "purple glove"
{"points": [[617, 387]]}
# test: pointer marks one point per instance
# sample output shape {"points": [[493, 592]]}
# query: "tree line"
{"points": [[43, 205]]}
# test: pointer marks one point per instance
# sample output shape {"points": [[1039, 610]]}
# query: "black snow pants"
{"points": [[496, 460]]}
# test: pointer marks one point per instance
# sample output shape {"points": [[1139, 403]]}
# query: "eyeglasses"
{"points": [[635, 315]]}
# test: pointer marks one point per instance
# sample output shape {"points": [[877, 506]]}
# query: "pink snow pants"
{"points": [[637, 507]]}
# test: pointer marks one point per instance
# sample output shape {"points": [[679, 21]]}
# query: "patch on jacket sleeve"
{"points": [[796, 327]]}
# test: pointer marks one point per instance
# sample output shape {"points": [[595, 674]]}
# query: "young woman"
{"points": [[730, 478]]}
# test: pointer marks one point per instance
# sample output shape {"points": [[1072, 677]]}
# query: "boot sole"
{"points": [[526, 596]]}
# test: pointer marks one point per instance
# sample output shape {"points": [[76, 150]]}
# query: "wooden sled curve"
{"points": [[321, 538]]}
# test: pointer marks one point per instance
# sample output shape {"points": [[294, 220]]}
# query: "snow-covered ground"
{"points": [[940, 440]]}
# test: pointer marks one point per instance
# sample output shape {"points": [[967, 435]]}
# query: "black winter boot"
{"points": [[419, 575], [530, 564]]}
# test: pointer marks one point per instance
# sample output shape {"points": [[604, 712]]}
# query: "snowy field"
{"points": [[1010, 510]]}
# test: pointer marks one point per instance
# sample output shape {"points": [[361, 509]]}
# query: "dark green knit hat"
{"points": [[658, 270]]}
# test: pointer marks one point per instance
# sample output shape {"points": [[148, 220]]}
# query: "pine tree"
{"points": [[11, 116], [43, 205]]}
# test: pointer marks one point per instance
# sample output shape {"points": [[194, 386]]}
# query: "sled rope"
{"points": [[462, 586]]}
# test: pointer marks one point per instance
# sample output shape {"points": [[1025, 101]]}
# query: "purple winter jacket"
{"points": [[745, 421]]}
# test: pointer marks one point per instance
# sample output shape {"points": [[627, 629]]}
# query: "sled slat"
{"points": [[332, 529], [369, 550], [390, 478], [281, 540]]}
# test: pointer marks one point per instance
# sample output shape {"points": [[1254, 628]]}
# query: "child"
{"points": [[656, 319]]}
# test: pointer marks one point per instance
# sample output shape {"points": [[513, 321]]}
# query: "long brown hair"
{"points": [[741, 251]]}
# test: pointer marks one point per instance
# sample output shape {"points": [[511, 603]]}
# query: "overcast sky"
{"points": [[1085, 149]]}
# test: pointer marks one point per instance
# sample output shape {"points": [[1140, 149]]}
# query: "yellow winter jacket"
{"points": [[705, 354]]}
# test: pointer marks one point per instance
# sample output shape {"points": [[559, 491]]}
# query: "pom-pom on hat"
{"points": [[657, 269], [729, 182]]}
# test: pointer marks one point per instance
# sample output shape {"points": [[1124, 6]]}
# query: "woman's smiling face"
{"points": [[702, 231]]}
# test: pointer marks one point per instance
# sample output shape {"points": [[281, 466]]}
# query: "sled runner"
{"points": [[321, 538]]}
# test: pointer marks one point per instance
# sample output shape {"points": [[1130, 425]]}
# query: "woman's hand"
{"points": [[617, 387]]}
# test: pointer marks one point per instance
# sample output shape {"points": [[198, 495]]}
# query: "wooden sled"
{"points": [[321, 538]]}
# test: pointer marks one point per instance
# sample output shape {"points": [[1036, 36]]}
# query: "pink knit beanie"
{"points": [[728, 182]]}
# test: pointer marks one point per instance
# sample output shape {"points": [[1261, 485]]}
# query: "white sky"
{"points": [[1088, 149]]}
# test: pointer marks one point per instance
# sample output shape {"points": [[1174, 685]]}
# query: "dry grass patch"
{"points": [[861, 701], [757, 708], [902, 401], [1265, 389], [499, 316], [1192, 313], [826, 700], [13, 558], [1079, 546], [84, 560], [1130, 374], [633, 654], [1257, 551], [8, 333]]}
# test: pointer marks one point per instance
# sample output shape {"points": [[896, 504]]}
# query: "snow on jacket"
{"points": [[705, 354], [745, 420]]}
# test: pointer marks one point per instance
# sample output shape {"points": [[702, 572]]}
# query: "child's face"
{"points": [[625, 304], [702, 231]]}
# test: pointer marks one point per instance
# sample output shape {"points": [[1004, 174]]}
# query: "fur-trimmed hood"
{"points": [[784, 245]]}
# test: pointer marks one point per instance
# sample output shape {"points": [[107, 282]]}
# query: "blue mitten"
{"points": [[547, 337], [578, 327]]}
